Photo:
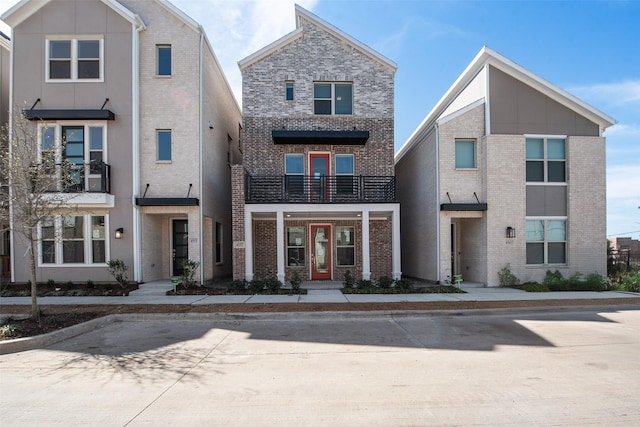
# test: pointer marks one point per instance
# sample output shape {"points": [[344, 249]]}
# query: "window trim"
{"points": [[353, 246], [302, 247], [158, 159], [164, 46], [332, 99], [474, 143], [87, 240], [545, 159], [73, 78], [287, 84], [545, 241]]}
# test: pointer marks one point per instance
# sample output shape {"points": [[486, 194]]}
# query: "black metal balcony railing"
{"points": [[320, 189], [92, 177]]}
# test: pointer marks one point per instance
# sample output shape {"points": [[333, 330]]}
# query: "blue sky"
{"points": [[589, 48]]}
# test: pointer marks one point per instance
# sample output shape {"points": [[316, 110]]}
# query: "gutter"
{"points": [[135, 144], [437, 130], [200, 207]]}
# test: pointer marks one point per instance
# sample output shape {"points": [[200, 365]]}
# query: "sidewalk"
{"points": [[473, 293]]}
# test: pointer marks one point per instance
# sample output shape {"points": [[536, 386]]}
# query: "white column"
{"points": [[396, 265], [248, 245], [366, 262], [280, 244]]}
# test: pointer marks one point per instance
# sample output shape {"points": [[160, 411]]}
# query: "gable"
{"points": [[517, 108]]}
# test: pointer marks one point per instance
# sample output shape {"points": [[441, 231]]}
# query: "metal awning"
{"points": [[167, 201], [328, 137], [463, 207], [69, 114]]}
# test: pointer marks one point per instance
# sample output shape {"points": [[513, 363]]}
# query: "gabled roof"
{"points": [[25, 8], [487, 56], [289, 38]]}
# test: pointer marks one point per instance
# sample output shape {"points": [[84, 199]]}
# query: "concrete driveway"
{"points": [[564, 367]]}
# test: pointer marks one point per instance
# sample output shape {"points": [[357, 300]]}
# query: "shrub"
{"points": [[273, 285], [256, 286], [385, 282], [596, 282], [534, 287], [238, 286], [404, 285], [365, 284], [630, 282], [189, 268], [90, 284], [118, 269], [295, 281], [349, 281], [554, 281], [8, 330], [506, 278]]}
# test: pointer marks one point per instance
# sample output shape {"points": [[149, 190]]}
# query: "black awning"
{"points": [[167, 201], [69, 114], [463, 207], [328, 137]]}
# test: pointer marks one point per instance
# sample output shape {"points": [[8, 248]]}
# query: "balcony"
{"points": [[320, 189], [90, 186]]}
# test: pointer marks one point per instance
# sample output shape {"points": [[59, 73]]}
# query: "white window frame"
{"points": [[87, 239], [333, 98], [545, 241], [302, 246], [337, 231], [74, 58]]}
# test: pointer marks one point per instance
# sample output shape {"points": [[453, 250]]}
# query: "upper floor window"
{"points": [[164, 145], [74, 59], [546, 160], [294, 173], [288, 89], [344, 173], [465, 154], [333, 98], [164, 60]]}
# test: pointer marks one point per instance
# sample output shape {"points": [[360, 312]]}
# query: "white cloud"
{"points": [[623, 130], [626, 93], [623, 182]]}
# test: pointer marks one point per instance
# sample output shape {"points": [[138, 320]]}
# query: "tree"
{"points": [[39, 180]]}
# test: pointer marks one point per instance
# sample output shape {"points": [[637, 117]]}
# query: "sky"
{"points": [[588, 48]]}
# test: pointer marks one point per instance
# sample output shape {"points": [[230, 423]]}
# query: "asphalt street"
{"points": [[557, 367]]}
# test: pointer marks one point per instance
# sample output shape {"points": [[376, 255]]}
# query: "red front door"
{"points": [[320, 252], [319, 168]]}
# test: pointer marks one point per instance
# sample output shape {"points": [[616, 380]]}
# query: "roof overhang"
{"points": [[69, 115], [463, 207], [326, 137], [167, 201]]}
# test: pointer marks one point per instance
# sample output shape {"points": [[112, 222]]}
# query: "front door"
{"points": [[319, 168], [320, 252], [180, 250]]}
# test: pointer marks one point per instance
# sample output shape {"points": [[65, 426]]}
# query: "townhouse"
{"points": [[132, 94], [507, 169], [315, 195]]}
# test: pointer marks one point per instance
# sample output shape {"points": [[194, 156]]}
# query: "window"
{"points": [[164, 60], [83, 146], [73, 239], [74, 59], [333, 98], [546, 160], [346, 247], [164, 145], [240, 147], [344, 173], [229, 150], [295, 246], [288, 86], [294, 173], [465, 154], [218, 243], [546, 241]]}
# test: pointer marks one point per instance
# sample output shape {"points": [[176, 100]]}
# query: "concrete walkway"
{"points": [[154, 293]]}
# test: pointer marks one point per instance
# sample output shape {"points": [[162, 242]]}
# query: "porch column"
{"points": [[396, 265], [366, 262], [248, 246], [280, 244]]}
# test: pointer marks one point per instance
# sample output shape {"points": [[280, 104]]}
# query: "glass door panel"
{"points": [[321, 252]]}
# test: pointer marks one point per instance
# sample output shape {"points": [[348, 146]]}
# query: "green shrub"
{"points": [[295, 282], [555, 281], [385, 282], [189, 268], [506, 278], [364, 284], [630, 282], [90, 284], [405, 285], [8, 330], [272, 285], [118, 269], [596, 282], [349, 281], [256, 286], [534, 287], [238, 286]]}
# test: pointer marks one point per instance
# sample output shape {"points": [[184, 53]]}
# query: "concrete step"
{"points": [[156, 288]]}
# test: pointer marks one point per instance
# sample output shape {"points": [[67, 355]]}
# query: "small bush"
{"points": [[364, 284], [118, 269], [404, 285], [630, 282], [273, 285], [349, 281], [238, 286], [534, 287], [554, 281], [506, 278], [256, 286], [385, 282], [596, 282], [189, 268], [295, 282], [51, 284], [8, 330]]}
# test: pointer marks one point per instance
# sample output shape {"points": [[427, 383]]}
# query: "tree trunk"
{"points": [[35, 311]]}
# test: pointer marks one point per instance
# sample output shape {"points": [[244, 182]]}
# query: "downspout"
{"points": [[11, 225], [200, 206], [135, 145], [437, 129]]}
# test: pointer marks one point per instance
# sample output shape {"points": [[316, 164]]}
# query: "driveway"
{"points": [[565, 367]]}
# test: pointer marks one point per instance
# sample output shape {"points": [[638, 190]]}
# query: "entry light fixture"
{"points": [[511, 232], [119, 232]]}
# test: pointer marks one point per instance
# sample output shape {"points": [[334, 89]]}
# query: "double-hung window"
{"points": [[465, 154], [295, 246], [75, 59], [546, 160], [294, 173], [546, 241], [288, 89], [346, 246], [73, 239], [344, 174], [333, 98]]}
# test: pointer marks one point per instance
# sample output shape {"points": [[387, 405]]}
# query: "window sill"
{"points": [[75, 265], [466, 169], [164, 162], [163, 76], [74, 81]]}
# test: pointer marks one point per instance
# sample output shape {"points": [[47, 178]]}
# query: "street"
{"points": [[560, 367]]}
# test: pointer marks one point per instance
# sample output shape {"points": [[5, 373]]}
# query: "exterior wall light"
{"points": [[119, 232], [511, 232]]}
